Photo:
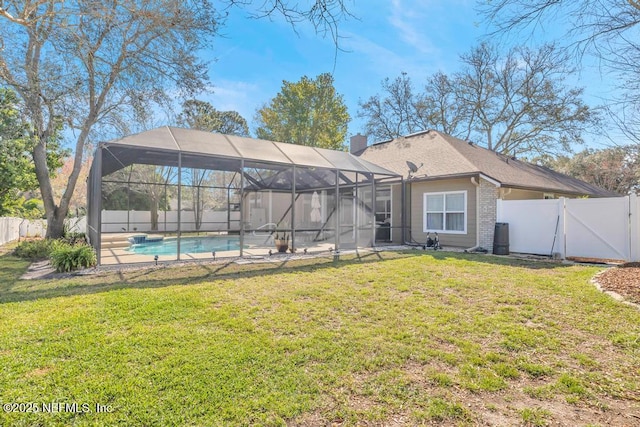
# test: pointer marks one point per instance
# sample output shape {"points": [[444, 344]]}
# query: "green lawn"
{"points": [[385, 339]]}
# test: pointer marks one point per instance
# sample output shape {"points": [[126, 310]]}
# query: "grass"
{"points": [[414, 336], [535, 417]]}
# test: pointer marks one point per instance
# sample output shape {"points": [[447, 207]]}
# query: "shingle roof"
{"points": [[443, 156]]}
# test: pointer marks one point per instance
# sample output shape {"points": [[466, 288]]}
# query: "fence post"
{"points": [[561, 233], [634, 228]]}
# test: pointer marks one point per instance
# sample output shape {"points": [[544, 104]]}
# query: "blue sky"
{"points": [[385, 38]]}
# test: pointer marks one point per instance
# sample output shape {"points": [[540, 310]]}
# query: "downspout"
{"points": [[406, 214]]}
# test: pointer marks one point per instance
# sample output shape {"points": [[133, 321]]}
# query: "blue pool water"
{"points": [[192, 245]]}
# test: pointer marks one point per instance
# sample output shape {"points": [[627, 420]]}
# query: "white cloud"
{"points": [[413, 23], [240, 96], [379, 61]]}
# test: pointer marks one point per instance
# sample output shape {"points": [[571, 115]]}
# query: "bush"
{"points": [[74, 238], [35, 249], [65, 257]]}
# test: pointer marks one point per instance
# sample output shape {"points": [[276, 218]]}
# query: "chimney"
{"points": [[357, 143]]}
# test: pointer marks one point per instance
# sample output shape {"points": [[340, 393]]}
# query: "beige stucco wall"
{"points": [[417, 191], [517, 194]]}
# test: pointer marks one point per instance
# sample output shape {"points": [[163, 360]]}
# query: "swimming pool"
{"points": [[193, 245]]}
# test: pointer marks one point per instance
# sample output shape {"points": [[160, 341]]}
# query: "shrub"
{"points": [[74, 238], [65, 258], [35, 249]]}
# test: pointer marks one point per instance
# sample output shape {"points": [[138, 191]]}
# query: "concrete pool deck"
{"points": [[115, 251]]}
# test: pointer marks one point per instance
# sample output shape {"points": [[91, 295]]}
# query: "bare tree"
{"points": [[606, 29], [395, 112], [589, 22], [438, 107], [518, 103], [514, 103], [83, 62], [324, 15]]}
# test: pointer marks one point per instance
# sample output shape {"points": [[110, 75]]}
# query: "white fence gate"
{"points": [[606, 228]]}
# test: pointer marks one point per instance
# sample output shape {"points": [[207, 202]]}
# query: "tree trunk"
{"points": [[154, 212], [55, 215], [55, 225], [198, 208]]}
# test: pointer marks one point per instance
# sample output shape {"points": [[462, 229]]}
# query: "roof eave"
{"points": [[556, 190]]}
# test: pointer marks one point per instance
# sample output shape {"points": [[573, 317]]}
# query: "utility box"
{"points": [[501, 239]]}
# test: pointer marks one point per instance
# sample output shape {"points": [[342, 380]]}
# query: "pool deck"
{"points": [[115, 252]]}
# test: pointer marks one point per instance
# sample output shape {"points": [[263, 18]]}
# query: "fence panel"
{"points": [[33, 228], [533, 224], [598, 228], [604, 228], [9, 229], [16, 228]]}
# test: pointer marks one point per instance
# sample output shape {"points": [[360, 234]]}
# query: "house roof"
{"points": [[443, 156]]}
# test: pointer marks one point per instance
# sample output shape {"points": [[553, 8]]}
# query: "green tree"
{"points": [[308, 112], [17, 172], [203, 116], [615, 169], [16, 169]]}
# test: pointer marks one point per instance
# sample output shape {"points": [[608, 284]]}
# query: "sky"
{"points": [[249, 62]]}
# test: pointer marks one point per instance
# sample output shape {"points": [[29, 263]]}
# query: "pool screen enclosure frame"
{"points": [[167, 185]]}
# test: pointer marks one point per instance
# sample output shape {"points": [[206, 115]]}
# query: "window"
{"points": [[445, 212], [383, 203]]}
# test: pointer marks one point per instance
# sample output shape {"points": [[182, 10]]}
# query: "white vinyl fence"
{"points": [[9, 229], [118, 221], [606, 228], [16, 228]]}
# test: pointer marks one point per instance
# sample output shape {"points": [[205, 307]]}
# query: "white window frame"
{"points": [[444, 212]]}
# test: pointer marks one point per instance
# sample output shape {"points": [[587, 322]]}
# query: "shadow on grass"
{"points": [[14, 289]]}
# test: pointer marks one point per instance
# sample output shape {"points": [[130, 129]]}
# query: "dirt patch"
{"points": [[623, 280], [39, 270]]}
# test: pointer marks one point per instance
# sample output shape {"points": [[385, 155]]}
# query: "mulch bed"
{"points": [[623, 279]]}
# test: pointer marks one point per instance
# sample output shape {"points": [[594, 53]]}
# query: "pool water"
{"points": [[187, 245]]}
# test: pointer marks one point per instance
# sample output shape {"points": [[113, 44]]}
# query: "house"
{"points": [[452, 186]]}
